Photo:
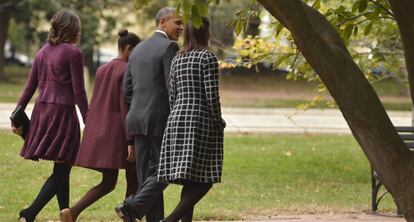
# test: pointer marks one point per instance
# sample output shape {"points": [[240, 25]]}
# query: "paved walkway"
{"points": [[331, 218], [245, 120], [263, 120]]}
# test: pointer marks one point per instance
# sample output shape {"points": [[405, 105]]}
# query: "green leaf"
{"points": [[196, 17], [372, 16], [279, 28], [238, 26], [280, 60], [368, 28], [362, 6], [355, 30], [379, 57], [316, 4], [202, 7], [239, 13], [340, 9], [186, 6], [329, 12], [348, 31], [140, 3], [355, 7]]}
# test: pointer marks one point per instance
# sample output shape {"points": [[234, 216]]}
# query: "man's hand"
{"points": [[131, 155]]}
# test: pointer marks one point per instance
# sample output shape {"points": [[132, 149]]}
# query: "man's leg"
{"points": [[148, 200], [148, 195], [156, 213], [142, 159]]}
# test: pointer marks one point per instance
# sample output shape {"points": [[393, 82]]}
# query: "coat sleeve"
{"points": [[78, 84], [211, 84], [127, 90], [123, 107], [31, 85], [172, 86], [172, 50]]}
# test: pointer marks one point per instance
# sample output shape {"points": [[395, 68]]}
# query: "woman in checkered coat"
{"points": [[192, 147]]}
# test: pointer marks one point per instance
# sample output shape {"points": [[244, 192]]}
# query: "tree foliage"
{"points": [[367, 27], [29, 13], [21, 12], [191, 9]]}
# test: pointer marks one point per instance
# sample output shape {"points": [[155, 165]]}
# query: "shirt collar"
{"points": [[162, 32]]}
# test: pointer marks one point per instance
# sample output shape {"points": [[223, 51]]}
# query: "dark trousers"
{"points": [[149, 200]]}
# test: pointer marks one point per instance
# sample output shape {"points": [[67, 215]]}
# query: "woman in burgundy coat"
{"points": [[105, 145], [54, 132]]}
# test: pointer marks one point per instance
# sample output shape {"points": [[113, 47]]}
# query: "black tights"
{"points": [[57, 184], [108, 183], [190, 194]]}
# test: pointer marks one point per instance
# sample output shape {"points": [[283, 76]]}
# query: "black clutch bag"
{"points": [[20, 119]]}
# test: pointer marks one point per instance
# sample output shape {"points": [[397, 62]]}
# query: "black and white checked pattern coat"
{"points": [[192, 146]]}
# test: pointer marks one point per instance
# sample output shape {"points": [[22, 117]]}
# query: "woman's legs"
{"points": [[188, 216], [190, 194], [52, 186], [132, 182], [62, 194], [108, 183]]}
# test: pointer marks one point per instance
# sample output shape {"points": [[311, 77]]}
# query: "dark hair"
{"points": [[196, 38], [65, 27], [127, 38]]}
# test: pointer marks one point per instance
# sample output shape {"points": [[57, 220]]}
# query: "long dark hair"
{"points": [[196, 38], [65, 27]]}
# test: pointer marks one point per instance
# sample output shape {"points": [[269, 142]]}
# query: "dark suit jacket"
{"points": [[145, 85]]}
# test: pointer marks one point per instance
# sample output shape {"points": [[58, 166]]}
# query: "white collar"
{"points": [[162, 32]]}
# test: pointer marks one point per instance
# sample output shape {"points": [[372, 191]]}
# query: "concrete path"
{"points": [[330, 218], [246, 120], [263, 120]]}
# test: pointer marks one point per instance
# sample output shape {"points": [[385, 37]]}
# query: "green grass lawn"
{"points": [[263, 175], [11, 89]]}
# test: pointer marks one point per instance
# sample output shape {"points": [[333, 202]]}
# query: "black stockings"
{"points": [[57, 184], [190, 195]]}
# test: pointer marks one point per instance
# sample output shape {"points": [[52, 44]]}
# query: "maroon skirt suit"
{"points": [[105, 141], [54, 132]]}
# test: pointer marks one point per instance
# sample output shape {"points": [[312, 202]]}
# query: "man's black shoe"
{"points": [[125, 213]]}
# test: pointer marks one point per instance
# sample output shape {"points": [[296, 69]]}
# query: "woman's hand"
{"points": [[131, 155], [221, 124], [18, 131]]}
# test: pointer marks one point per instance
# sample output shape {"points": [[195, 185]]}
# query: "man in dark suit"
{"points": [[146, 90]]}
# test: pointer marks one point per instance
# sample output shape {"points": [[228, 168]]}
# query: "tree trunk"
{"points": [[4, 28], [403, 12], [326, 53], [89, 63]]}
